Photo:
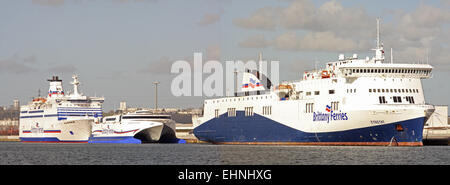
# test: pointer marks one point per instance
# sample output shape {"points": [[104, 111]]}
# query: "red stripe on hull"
{"points": [[328, 143]]}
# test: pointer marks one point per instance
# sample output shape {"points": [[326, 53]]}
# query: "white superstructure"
{"points": [[59, 117], [352, 101]]}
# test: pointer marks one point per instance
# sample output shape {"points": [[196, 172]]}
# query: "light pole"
{"points": [[156, 95], [235, 82]]}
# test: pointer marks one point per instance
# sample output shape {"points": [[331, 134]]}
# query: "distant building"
{"points": [[437, 128], [123, 106], [9, 122], [16, 104]]}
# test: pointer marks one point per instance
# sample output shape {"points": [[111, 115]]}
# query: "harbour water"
{"points": [[16, 153]]}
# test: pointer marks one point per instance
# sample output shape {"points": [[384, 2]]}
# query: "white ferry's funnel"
{"points": [[55, 89], [251, 82], [75, 85]]}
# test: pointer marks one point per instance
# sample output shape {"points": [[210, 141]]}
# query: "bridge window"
{"points": [[410, 99], [382, 99], [397, 99]]}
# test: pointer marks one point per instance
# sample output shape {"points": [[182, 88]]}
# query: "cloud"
{"points": [[135, 1], [213, 52], [264, 18], [48, 2], [67, 68], [256, 41], [16, 65], [331, 27], [62, 2], [328, 27], [209, 18], [303, 14], [312, 41], [318, 41], [160, 66], [330, 16], [424, 29]]}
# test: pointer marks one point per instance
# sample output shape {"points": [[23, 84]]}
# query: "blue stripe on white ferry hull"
{"points": [[261, 130], [49, 140]]}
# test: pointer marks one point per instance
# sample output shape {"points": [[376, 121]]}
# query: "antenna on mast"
{"points": [[378, 33], [392, 57], [379, 52], [315, 64]]}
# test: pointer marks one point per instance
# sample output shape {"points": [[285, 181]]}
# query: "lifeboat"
{"points": [[325, 74], [281, 86], [43, 100]]}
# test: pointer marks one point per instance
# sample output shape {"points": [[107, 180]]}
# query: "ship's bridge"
{"points": [[386, 70]]}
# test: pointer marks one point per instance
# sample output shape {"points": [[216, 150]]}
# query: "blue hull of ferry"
{"points": [[258, 129], [126, 139]]}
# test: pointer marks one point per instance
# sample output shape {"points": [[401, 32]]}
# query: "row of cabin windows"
{"points": [[267, 110], [394, 90], [331, 91], [240, 99], [411, 71], [396, 99]]}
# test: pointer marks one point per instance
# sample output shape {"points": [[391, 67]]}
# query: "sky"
{"points": [[120, 47]]}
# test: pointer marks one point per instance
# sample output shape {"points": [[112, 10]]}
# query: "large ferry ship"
{"points": [[59, 117], [137, 127], [351, 101]]}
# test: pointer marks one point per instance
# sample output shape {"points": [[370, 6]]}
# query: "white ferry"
{"points": [[351, 101], [138, 127], [59, 117]]}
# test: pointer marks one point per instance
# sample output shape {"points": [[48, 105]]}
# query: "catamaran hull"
{"points": [[145, 132]]}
